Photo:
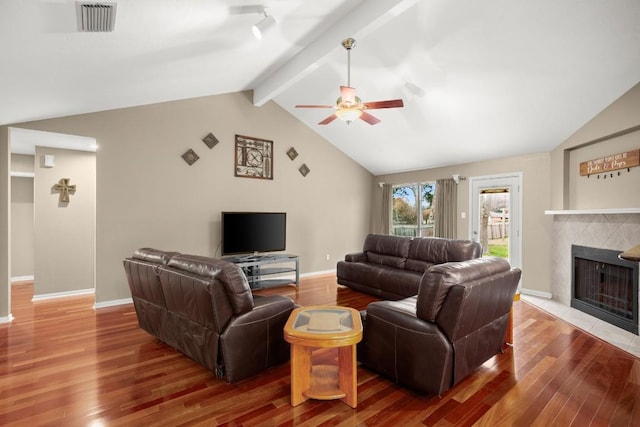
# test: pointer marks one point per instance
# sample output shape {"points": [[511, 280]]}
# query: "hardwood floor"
{"points": [[64, 364]]}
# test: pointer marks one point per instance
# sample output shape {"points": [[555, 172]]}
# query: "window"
{"points": [[412, 214]]}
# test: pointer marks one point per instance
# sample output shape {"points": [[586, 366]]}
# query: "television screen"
{"points": [[251, 232]]}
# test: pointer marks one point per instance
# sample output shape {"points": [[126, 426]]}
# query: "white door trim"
{"points": [[513, 180]]}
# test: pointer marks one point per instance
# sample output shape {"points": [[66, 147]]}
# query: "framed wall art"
{"points": [[253, 157]]}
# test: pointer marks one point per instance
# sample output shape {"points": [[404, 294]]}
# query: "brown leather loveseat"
{"points": [[455, 323], [204, 308], [391, 267]]}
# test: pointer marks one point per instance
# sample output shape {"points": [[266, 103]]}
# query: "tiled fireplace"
{"points": [[615, 230]]}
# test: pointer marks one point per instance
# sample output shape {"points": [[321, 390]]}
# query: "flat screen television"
{"points": [[253, 232]]}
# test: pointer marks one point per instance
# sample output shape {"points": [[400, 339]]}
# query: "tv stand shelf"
{"points": [[254, 268]]}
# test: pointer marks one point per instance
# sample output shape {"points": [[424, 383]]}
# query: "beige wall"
{"points": [[536, 226], [148, 196], [22, 237], [616, 129], [22, 163], [5, 232], [64, 232]]}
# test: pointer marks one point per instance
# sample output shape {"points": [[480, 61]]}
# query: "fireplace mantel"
{"points": [[594, 211]]}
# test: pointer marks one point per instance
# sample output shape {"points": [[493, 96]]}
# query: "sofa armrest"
{"points": [[356, 257], [254, 341], [401, 346]]}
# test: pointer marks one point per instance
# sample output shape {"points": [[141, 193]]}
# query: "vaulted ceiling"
{"points": [[479, 79]]}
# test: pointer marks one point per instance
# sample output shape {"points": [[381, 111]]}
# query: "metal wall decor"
{"points": [[65, 189], [304, 169], [190, 157], [210, 140], [292, 153], [253, 157]]}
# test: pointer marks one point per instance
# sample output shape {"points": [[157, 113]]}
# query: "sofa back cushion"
{"points": [[229, 275], [439, 279], [155, 256], [386, 250], [428, 251]]}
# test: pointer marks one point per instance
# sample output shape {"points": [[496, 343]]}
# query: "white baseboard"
{"points": [[22, 279], [317, 273], [535, 293], [6, 319], [64, 294], [113, 303]]}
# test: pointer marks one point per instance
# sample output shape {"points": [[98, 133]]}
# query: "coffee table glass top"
{"points": [[323, 320]]}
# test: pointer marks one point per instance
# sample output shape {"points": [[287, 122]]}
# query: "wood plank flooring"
{"points": [[64, 364]]}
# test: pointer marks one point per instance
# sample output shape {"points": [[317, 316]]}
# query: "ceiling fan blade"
{"points": [[328, 120], [372, 120], [314, 106], [348, 94], [393, 103]]}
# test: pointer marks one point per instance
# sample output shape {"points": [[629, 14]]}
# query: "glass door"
{"points": [[495, 215]]}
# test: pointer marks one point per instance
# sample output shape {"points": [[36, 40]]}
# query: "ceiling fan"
{"points": [[348, 106]]}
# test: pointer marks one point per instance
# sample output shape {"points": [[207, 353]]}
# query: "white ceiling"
{"points": [[495, 78]]}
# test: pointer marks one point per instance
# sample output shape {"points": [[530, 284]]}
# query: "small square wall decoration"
{"points": [[190, 157], [292, 153], [210, 140], [304, 169]]}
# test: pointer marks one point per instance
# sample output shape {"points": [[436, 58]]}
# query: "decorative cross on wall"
{"points": [[65, 189]]}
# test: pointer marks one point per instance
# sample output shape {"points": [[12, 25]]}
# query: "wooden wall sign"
{"points": [[614, 162]]}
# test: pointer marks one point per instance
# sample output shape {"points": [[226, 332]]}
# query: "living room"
{"points": [[146, 194]]}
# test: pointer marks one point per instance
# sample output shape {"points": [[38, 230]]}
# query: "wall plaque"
{"points": [[614, 162], [253, 157]]}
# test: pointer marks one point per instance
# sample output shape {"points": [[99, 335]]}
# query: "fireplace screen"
{"points": [[605, 286]]}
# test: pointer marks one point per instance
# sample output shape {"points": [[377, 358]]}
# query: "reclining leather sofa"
{"points": [[456, 322], [204, 308], [391, 267]]}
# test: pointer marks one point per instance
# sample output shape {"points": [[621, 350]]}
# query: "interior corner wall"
{"points": [[614, 130], [64, 248], [536, 226], [5, 219], [148, 196]]}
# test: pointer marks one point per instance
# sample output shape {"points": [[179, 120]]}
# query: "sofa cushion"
{"points": [[397, 284], [154, 256], [435, 284], [234, 281], [386, 250], [426, 252], [359, 272]]}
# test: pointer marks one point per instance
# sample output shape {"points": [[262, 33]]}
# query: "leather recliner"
{"points": [[204, 308], [455, 323]]}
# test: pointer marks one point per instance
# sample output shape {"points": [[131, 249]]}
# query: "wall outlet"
{"points": [[463, 215], [328, 257]]}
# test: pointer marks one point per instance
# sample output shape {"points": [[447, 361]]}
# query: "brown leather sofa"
{"points": [[455, 323], [204, 308], [391, 267]]}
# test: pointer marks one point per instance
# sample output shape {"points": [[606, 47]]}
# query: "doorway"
{"points": [[495, 215], [61, 230]]}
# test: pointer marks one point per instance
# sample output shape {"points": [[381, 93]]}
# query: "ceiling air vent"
{"points": [[96, 17]]}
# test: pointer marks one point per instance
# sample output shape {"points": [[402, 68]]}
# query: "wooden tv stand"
{"points": [[254, 268]]}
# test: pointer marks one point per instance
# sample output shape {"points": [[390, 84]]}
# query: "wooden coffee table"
{"points": [[309, 328]]}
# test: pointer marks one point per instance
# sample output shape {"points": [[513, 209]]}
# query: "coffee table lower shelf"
{"points": [[325, 383]]}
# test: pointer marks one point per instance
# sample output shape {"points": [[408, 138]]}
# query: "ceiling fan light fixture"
{"points": [[265, 24], [348, 114]]}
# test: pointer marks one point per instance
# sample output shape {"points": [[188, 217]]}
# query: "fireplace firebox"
{"points": [[605, 286]]}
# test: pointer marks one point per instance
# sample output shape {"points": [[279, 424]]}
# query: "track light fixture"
{"points": [[265, 24]]}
